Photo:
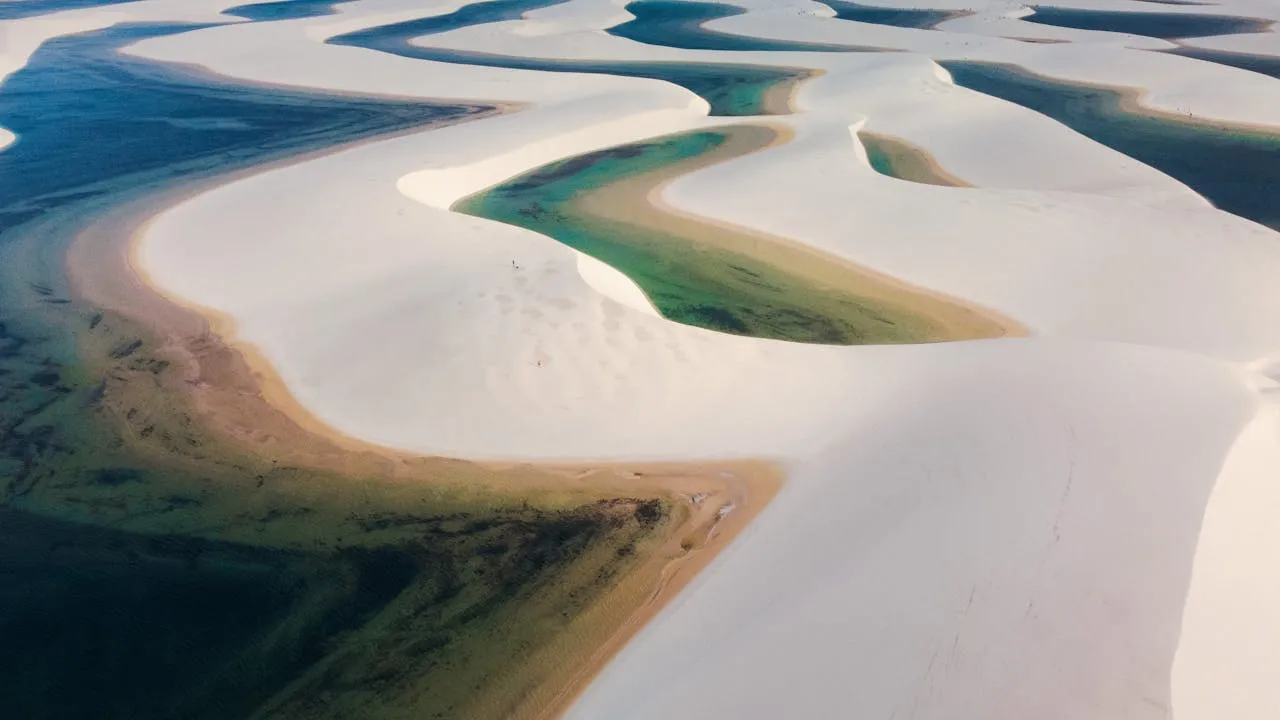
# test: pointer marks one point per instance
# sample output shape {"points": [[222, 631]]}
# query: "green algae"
{"points": [[155, 571], [155, 565], [697, 283]]}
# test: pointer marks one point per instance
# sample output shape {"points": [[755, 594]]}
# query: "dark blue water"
{"points": [[1264, 64], [1166, 26], [729, 89], [477, 13], [1237, 170], [29, 8], [680, 25], [897, 17], [90, 122], [284, 9]]}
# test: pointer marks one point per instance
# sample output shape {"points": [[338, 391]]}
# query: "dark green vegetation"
{"points": [[155, 570], [897, 17], [1237, 169], [729, 89], [155, 564], [690, 280], [1166, 26]]}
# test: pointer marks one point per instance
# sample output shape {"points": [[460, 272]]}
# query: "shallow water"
{"points": [[680, 25], [89, 122], [1237, 170], [900, 159], [1166, 26], [152, 568], [896, 17], [730, 90], [688, 279], [1264, 64], [31, 8], [285, 9], [96, 129]]}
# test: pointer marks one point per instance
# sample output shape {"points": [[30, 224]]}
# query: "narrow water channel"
{"points": [[730, 89], [1237, 169], [1263, 64], [680, 24], [284, 9], [709, 275], [920, 19], [1165, 26]]}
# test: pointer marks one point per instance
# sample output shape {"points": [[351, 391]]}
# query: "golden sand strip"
{"points": [[238, 397], [780, 98], [1135, 100], [637, 200], [911, 162]]}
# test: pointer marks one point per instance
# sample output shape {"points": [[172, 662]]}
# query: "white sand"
{"points": [[999, 529]]}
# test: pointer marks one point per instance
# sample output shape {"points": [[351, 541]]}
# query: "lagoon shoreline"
{"points": [[236, 394]]}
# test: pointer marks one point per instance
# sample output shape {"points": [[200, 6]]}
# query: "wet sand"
{"points": [[907, 161], [1134, 100], [235, 395], [1205, 154], [780, 98], [638, 200]]}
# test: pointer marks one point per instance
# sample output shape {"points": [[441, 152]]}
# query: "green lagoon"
{"points": [[702, 274]]}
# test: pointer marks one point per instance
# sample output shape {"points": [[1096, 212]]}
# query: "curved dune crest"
{"points": [[613, 284], [1069, 524], [1227, 645]]}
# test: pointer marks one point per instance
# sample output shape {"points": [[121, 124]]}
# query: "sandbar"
{"points": [[638, 200], [236, 394]]}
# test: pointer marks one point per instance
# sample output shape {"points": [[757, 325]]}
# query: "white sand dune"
{"points": [[1003, 535], [1070, 525], [1267, 44]]}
